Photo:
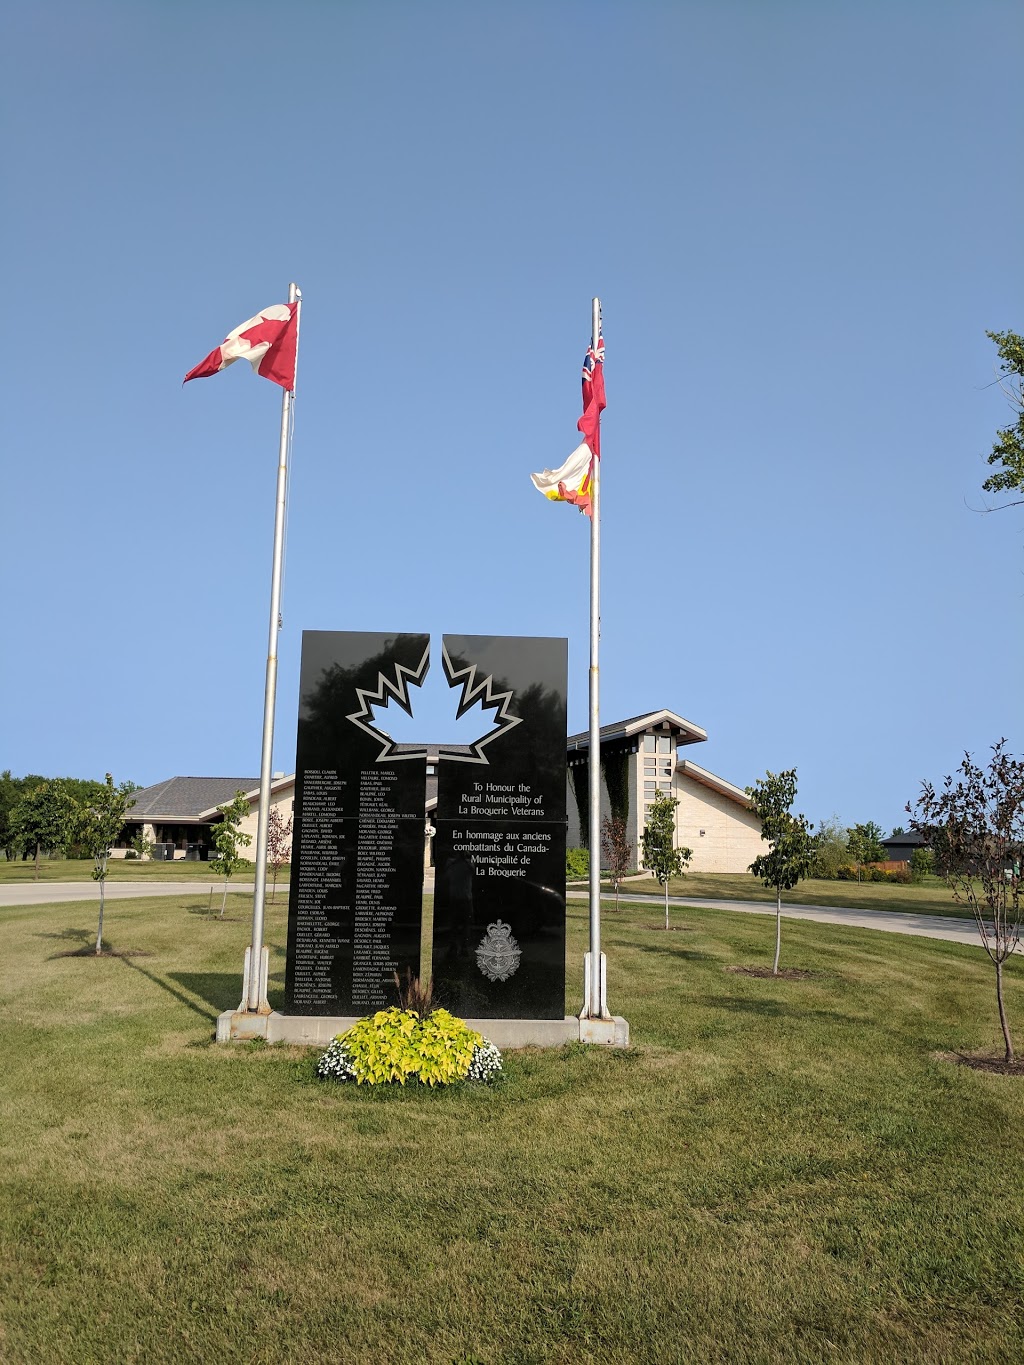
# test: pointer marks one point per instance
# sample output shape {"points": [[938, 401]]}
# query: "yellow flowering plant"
{"points": [[397, 1045]]}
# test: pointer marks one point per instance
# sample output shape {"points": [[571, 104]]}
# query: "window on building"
{"points": [[664, 744], [649, 744]]}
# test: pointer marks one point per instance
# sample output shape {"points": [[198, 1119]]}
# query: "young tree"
{"points": [[865, 844], [977, 818], [1008, 450], [279, 843], [789, 838], [101, 823], [227, 840], [617, 850], [658, 844]]}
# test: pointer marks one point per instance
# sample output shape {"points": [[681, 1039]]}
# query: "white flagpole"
{"points": [[254, 997], [594, 992]]}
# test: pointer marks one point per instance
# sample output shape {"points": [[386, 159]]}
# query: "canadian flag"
{"points": [[267, 341]]}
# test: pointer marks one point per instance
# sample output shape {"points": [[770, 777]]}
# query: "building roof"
{"points": [[182, 799], [908, 840], [714, 783], [683, 731]]}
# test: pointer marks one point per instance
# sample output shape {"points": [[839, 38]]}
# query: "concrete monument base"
{"points": [[310, 1030]]}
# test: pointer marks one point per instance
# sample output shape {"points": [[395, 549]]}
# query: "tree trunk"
{"points": [[36, 877], [100, 927], [778, 929], [666, 902], [224, 898], [1002, 1013]]}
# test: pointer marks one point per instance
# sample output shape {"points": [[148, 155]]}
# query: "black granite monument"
{"points": [[355, 907], [499, 850], [356, 902]]}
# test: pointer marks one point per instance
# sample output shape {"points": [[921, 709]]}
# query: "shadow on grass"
{"points": [[178, 995], [773, 1009], [221, 990], [71, 935], [673, 950]]}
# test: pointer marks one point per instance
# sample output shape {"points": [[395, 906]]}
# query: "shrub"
{"points": [[901, 876], [397, 1045], [846, 874], [577, 864], [829, 851]]}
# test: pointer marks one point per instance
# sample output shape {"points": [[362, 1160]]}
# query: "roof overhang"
{"points": [[628, 733], [696, 773], [282, 784]]}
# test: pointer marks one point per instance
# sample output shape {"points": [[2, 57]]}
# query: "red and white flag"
{"points": [[573, 481], [268, 341]]}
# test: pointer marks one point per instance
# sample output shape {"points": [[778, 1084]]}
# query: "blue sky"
{"points": [[801, 220]]}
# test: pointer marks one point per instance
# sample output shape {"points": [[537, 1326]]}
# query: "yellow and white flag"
{"points": [[571, 481]]}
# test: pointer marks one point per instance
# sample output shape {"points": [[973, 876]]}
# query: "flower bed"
{"points": [[395, 1045]]}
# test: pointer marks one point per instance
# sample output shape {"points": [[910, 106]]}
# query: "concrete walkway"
{"points": [[955, 930], [55, 893]]}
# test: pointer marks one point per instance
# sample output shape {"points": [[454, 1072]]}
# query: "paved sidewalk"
{"points": [[55, 893], [954, 929]]}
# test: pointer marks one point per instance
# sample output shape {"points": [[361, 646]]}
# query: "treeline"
{"points": [[54, 815], [846, 854]]}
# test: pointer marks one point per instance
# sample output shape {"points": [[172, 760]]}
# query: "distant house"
{"points": [[900, 847], [182, 811]]}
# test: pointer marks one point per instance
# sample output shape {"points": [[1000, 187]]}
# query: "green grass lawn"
{"points": [[121, 870], [776, 1171], [931, 897]]}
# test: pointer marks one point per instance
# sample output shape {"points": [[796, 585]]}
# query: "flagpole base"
{"points": [[595, 1009], [262, 1005]]}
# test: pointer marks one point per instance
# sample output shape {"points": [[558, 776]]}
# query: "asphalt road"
{"points": [[891, 922]]}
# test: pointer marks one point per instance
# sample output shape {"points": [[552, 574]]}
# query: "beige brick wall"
{"points": [[732, 835], [282, 801]]}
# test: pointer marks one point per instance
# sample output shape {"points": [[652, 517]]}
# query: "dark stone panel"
{"points": [[499, 851], [356, 897]]}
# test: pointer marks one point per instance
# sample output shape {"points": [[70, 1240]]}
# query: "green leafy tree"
{"points": [[228, 840], [101, 823], [1008, 450], [977, 818], [9, 794], [46, 817], [922, 863], [829, 849], [617, 850], [658, 844], [865, 844], [279, 843], [789, 855]]}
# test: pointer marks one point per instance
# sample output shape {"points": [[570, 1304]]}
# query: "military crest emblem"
{"points": [[498, 955]]}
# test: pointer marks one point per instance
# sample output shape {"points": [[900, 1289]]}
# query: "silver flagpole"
{"points": [[595, 992], [255, 988]]}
